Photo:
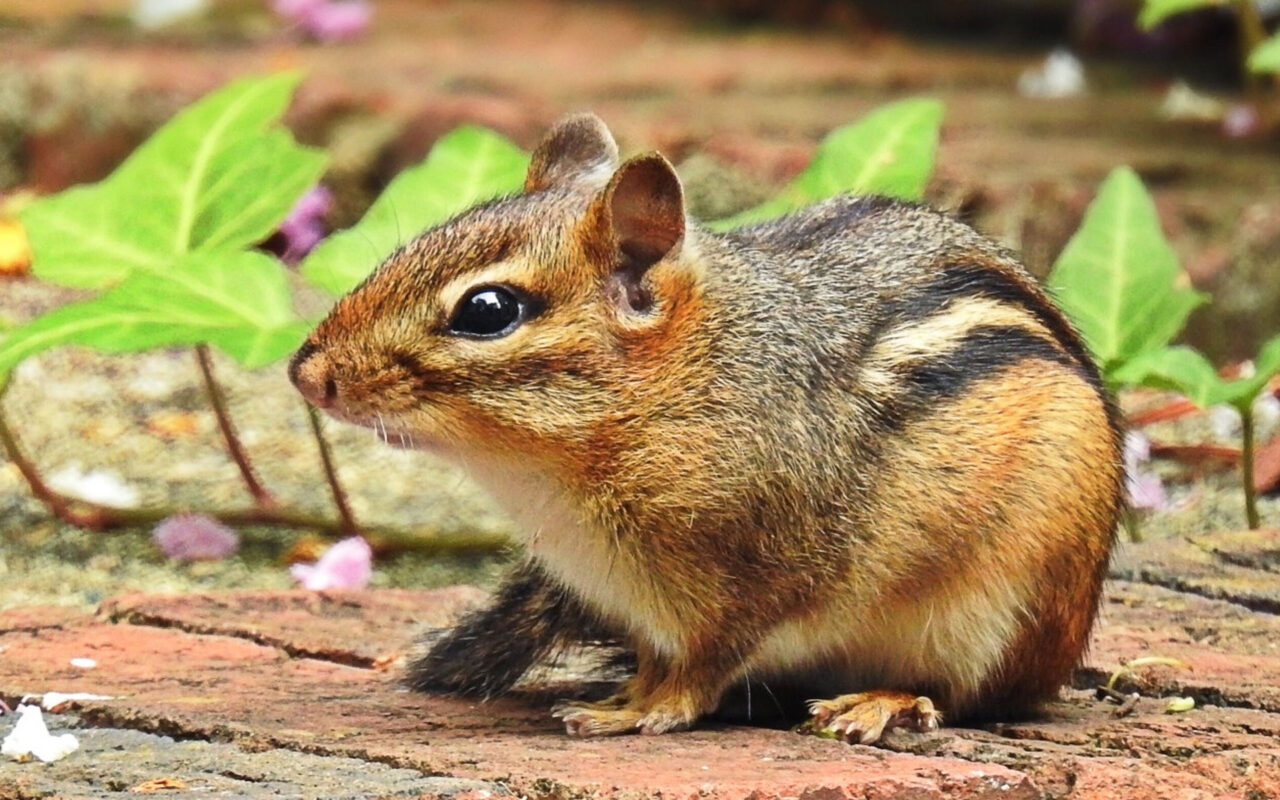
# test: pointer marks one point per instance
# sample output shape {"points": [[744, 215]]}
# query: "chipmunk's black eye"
{"points": [[489, 311]]}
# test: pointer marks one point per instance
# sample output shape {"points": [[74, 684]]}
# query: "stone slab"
{"points": [[112, 763]]}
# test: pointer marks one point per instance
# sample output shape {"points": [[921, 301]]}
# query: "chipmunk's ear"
{"points": [[642, 208], [578, 150]]}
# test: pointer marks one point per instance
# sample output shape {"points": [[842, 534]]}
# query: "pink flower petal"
{"points": [[1241, 120], [1137, 450], [337, 21], [348, 564], [305, 227], [195, 537], [1147, 492], [326, 20]]}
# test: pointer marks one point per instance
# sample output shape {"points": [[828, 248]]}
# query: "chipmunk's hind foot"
{"points": [[862, 718]]}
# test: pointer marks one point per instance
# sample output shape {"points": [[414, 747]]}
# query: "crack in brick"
{"points": [[1090, 678], [37, 629], [106, 717], [1268, 561], [344, 658], [1262, 605]]}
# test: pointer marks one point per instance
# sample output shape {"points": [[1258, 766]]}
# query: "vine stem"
{"points": [[1132, 525], [1252, 33], [1246, 466], [56, 503], [261, 497], [345, 517], [99, 518]]}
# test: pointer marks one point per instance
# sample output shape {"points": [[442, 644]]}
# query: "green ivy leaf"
{"points": [[1155, 12], [1118, 278], [1266, 56], [1185, 371], [890, 151], [1180, 369], [239, 302], [216, 176], [466, 166]]}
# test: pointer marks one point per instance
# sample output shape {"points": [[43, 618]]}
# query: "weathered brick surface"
{"points": [[1233, 654], [246, 684], [1239, 567], [35, 618], [303, 623], [223, 688]]}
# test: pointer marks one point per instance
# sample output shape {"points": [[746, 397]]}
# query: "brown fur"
{"points": [[855, 448]]}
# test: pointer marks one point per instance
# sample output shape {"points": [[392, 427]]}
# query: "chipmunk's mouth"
{"points": [[398, 440], [386, 431], [392, 431]]}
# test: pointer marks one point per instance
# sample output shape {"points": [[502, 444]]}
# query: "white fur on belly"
{"points": [[573, 552], [954, 639]]}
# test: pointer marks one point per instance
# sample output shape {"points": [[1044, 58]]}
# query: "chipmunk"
{"points": [[856, 448]]}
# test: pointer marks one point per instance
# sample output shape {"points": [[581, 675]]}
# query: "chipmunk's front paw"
{"points": [[613, 716], [597, 719], [863, 718]]}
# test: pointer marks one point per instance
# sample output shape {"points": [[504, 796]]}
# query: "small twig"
{"points": [[1195, 454], [1127, 706], [345, 516], [234, 447], [25, 466], [1246, 466], [1164, 412]]}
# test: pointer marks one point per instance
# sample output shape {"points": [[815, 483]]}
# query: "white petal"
{"points": [[30, 738]]}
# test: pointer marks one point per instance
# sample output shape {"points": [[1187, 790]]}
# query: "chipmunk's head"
{"points": [[524, 324]]}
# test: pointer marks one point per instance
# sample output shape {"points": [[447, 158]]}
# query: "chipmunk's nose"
{"points": [[312, 372]]}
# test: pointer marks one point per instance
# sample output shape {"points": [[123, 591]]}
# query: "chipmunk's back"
{"points": [[960, 456]]}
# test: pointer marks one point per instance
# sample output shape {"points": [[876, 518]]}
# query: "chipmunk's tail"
{"points": [[490, 649]]}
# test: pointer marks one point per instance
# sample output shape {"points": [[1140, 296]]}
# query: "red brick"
{"points": [[171, 680], [356, 628], [1232, 654]]}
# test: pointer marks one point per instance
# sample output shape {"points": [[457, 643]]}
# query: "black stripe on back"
{"points": [[969, 280], [984, 352]]}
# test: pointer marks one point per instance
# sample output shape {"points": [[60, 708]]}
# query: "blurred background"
{"points": [[1043, 98]]}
